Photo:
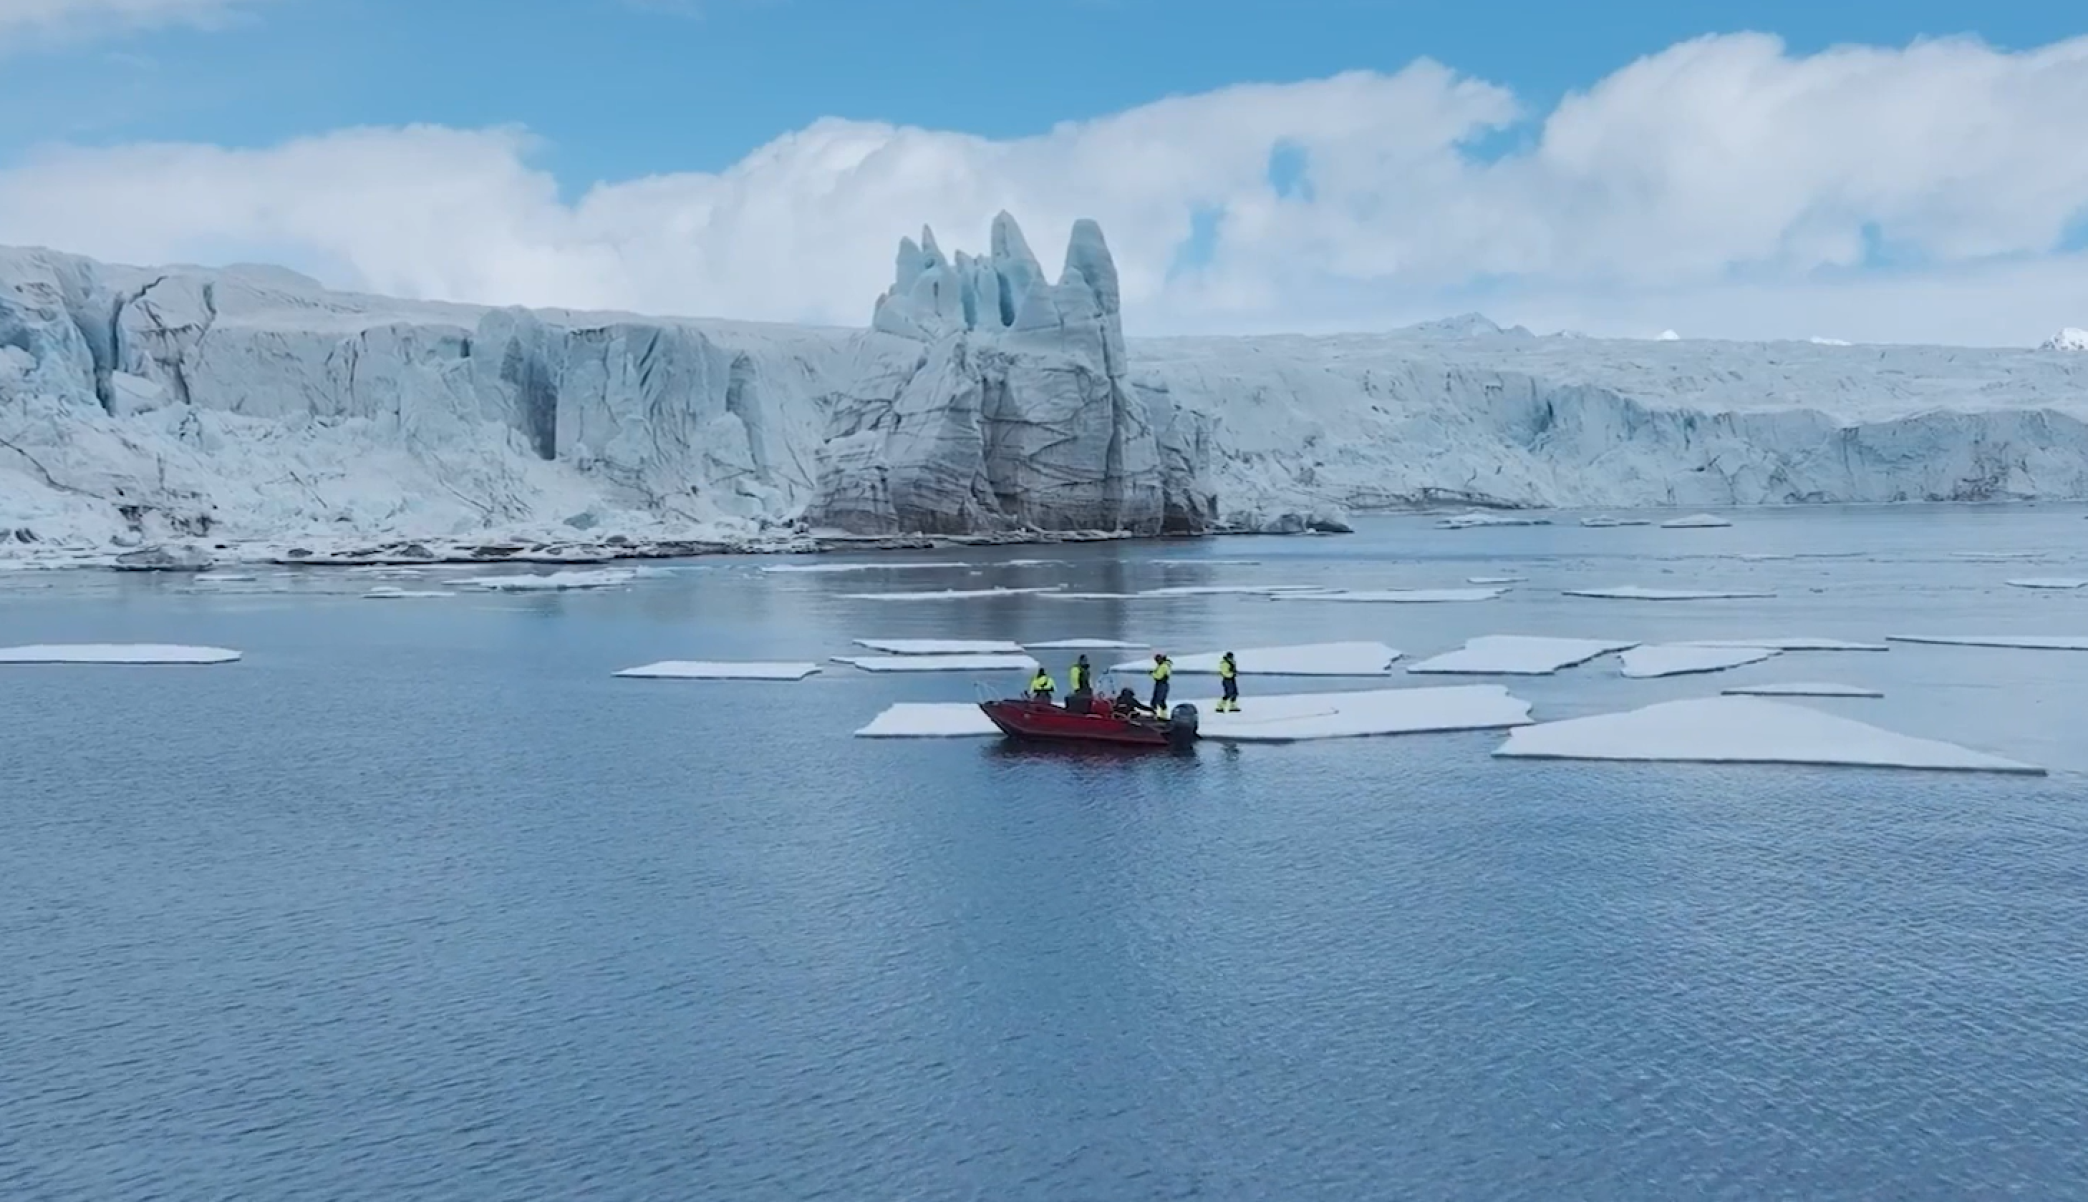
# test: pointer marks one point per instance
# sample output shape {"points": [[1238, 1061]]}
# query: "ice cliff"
{"points": [[1016, 409], [253, 404]]}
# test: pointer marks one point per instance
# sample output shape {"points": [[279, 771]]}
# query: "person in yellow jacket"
{"points": [[1228, 684], [1040, 686], [1163, 669]]}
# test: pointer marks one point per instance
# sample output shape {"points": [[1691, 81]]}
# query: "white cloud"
{"points": [[1723, 186], [46, 21]]}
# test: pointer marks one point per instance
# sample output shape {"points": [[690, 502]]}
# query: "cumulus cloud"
{"points": [[24, 21], [1722, 187]]}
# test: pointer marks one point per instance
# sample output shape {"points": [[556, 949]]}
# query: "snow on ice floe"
{"points": [[1997, 556], [1517, 655], [2051, 582], [1790, 643], [785, 569], [1397, 596], [1304, 659], [941, 646], [950, 594], [116, 653], [1603, 521], [1679, 659], [1743, 730], [940, 663], [390, 592], [1632, 592], [1801, 688], [2024, 642], [1494, 579], [694, 669], [1696, 521], [1085, 645], [1471, 521], [555, 581], [1276, 718]]}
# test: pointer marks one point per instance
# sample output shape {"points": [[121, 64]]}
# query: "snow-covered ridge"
{"points": [[252, 404]]}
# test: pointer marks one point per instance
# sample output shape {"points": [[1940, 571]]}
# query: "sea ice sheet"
{"points": [[695, 669], [2025, 642], [1472, 521], [1695, 521], [1632, 592], [1801, 688], [1743, 730], [1398, 596], [1679, 659], [940, 663], [1085, 645], [1517, 655], [116, 653], [1304, 659], [1494, 579], [555, 581], [1276, 718], [949, 594], [2051, 582], [387, 592], [1605, 522], [941, 646], [789, 569]]}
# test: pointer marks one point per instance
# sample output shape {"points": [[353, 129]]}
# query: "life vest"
{"points": [[1041, 683], [1080, 678], [1163, 669], [1227, 669]]}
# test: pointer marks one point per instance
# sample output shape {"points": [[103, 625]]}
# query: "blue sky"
{"points": [[1616, 168], [621, 88]]}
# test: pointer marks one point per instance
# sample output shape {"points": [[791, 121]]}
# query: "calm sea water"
{"points": [[417, 901]]}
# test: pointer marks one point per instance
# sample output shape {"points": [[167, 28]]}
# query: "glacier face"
{"points": [[252, 404]]}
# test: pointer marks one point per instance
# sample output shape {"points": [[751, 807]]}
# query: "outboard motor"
{"points": [[1181, 726]]}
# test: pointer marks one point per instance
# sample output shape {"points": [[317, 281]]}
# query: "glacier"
{"points": [[252, 406]]}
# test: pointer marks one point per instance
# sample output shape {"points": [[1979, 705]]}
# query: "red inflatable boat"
{"points": [[1022, 718]]}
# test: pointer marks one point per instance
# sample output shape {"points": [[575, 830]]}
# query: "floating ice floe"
{"points": [[1790, 643], [224, 578], [1517, 655], [941, 646], [555, 581], [940, 663], [1605, 522], [2051, 582], [1997, 555], [950, 594], [694, 669], [1680, 659], [2025, 642], [1695, 521], [1085, 645], [785, 569], [1632, 592], [1801, 688], [1493, 579], [1468, 521], [388, 592], [1275, 718], [1209, 563], [1227, 590], [1305, 659], [1398, 596], [116, 653], [1743, 730]]}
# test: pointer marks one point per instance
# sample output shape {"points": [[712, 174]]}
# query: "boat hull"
{"points": [[1043, 721]]}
